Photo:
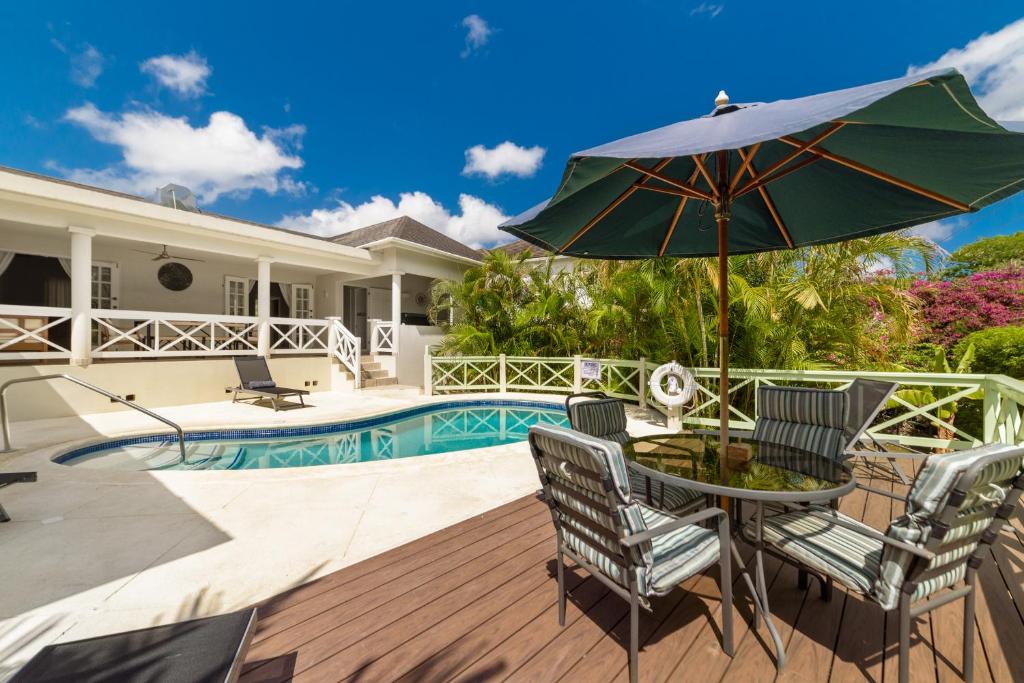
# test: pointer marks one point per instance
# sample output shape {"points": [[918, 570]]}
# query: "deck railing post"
{"points": [[502, 374], [577, 374], [428, 374], [641, 392], [332, 338], [990, 411]]}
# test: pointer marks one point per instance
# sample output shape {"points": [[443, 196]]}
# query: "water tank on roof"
{"points": [[177, 197]]}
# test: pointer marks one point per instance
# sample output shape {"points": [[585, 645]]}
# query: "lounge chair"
{"points": [[8, 478], [605, 418], [209, 650], [637, 551], [956, 507], [255, 379]]}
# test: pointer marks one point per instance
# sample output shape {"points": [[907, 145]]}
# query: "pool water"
{"points": [[410, 433]]}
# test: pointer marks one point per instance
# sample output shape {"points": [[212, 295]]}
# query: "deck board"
{"points": [[477, 602]]}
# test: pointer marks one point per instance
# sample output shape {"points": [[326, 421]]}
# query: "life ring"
{"points": [[681, 385]]}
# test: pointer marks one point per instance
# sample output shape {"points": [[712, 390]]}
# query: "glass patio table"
{"points": [[754, 470]]}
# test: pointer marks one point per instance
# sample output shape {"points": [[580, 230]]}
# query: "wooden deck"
{"points": [[477, 602]]}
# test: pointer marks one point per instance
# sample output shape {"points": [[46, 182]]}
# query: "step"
{"points": [[373, 374], [369, 366], [379, 382]]}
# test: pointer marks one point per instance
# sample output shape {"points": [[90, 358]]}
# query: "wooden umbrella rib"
{"points": [[743, 167], [750, 187], [618, 200], [766, 198], [687, 189], [672, 226], [704, 172], [766, 175], [880, 175]]}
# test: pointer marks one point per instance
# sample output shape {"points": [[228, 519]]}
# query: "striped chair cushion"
{"points": [[662, 496], [566, 444], [602, 417], [928, 496], [847, 556], [809, 419], [678, 554]]}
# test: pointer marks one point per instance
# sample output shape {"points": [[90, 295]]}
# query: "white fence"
{"points": [[34, 332], [382, 336], [1002, 402], [346, 347]]}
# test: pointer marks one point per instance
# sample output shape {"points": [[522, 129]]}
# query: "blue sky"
{"points": [[328, 116]]}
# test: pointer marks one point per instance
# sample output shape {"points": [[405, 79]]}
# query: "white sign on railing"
{"points": [[590, 369]]}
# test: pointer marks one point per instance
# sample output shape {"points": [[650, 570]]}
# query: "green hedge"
{"points": [[998, 351]]}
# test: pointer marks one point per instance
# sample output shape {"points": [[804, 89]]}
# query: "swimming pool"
{"points": [[425, 430]]}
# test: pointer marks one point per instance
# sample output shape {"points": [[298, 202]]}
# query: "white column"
{"points": [[263, 304], [396, 309], [81, 295]]}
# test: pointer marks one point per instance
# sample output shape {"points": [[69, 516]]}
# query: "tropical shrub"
{"points": [[823, 306], [923, 396], [997, 351], [990, 253], [952, 309]]}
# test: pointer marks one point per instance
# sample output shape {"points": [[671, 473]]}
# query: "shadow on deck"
{"points": [[477, 601]]}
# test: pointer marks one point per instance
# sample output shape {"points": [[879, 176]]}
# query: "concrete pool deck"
{"points": [[91, 551]]}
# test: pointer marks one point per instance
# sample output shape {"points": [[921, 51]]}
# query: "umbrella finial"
{"points": [[722, 99]]}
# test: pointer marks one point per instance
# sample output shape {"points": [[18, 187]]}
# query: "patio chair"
{"points": [[605, 418], [8, 478], [809, 419], [210, 650], [955, 508], [254, 377], [637, 551], [867, 398]]}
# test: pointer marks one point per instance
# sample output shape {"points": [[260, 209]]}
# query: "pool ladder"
{"points": [[91, 387]]}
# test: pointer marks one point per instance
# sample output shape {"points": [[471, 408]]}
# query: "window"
{"points": [[302, 301], [236, 295], [104, 285]]}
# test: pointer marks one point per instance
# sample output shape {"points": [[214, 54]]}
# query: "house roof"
{"points": [[405, 228], [518, 247]]}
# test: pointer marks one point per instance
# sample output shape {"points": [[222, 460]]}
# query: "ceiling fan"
{"points": [[164, 256]]}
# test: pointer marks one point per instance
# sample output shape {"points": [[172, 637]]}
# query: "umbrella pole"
{"points": [[722, 217], [722, 213]]}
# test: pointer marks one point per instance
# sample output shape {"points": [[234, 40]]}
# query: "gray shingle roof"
{"points": [[518, 247], [405, 228]]}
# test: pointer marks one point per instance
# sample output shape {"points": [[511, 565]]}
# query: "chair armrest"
{"points": [[688, 520], [870, 533]]}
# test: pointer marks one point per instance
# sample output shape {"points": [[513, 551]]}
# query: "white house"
{"points": [[151, 299]]}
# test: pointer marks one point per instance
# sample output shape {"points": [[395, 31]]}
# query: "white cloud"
{"points": [[184, 74], [993, 64], [507, 157], [478, 32], [86, 65], [224, 156], [476, 224], [939, 231], [708, 8]]}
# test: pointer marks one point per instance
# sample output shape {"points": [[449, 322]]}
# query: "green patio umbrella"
{"points": [[759, 177]]}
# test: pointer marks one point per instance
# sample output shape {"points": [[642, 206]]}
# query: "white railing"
{"points": [[31, 332], [382, 336], [298, 335], [140, 334], [347, 348], [1003, 397]]}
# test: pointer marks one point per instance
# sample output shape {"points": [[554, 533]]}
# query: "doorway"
{"points": [[354, 313]]}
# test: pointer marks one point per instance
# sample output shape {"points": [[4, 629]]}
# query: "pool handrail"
{"points": [[92, 387]]}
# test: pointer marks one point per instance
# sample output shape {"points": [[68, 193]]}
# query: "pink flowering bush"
{"points": [[951, 309]]}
